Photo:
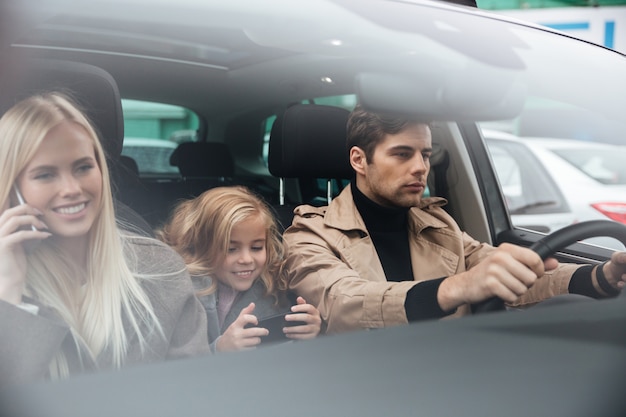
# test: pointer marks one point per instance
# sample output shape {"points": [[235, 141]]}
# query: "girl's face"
{"points": [[64, 182], [246, 255]]}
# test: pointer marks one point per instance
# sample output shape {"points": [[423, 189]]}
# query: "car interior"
{"points": [[252, 90], [202, 165], [306, 149], [307, 145], [234, 108], [232, 126]]}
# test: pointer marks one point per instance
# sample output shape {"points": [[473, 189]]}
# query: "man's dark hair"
{"points": [[366, 129]]}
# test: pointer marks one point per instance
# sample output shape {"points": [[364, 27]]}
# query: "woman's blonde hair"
{"points": [[112, 294], [200, 230]]}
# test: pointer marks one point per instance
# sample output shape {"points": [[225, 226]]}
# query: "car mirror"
{"points": [[486, 94]]}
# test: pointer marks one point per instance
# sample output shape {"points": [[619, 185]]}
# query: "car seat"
{"points": [[202, 165], [203, 160], [308, 142]]}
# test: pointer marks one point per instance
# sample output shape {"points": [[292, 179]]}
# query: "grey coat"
{"points": [[29, 342], [265, 306]]}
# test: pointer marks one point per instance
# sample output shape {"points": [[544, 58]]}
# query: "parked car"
{"points": [[238, 65], [551, 183]]}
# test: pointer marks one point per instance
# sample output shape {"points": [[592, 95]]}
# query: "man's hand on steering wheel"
{"points": [[611, 274], [615, 270]]}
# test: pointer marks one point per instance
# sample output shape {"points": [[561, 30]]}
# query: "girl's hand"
{"points": [[237, 337], [16, 231], [306, 313]]}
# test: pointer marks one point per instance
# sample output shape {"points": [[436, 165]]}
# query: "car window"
{"points": [[152, 133], [550, 183], [151, 155], [527, 186]]}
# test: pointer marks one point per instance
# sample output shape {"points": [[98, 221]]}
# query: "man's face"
{"points": [[396, 175]]}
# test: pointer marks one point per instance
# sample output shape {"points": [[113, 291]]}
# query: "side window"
{"points": [[153, 131], [532, 197], [528, 188], [508, 172], [267, 129]]}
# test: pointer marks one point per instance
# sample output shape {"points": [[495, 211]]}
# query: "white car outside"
{"points": [[593, 184]]}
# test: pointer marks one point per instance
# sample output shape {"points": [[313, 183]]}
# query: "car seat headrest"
{"points": [[92, 88], [203, 159], [309, 140]]}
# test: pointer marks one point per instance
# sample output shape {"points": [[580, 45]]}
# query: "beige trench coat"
{"points": [[333, 264]]}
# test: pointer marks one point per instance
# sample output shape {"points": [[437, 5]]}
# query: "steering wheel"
{"points": [[558, 240]]}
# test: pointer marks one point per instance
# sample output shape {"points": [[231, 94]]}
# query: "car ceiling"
{"points": [[220, 65], [226, 59], [218, 60]]}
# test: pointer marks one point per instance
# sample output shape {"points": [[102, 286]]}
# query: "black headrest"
{"points": [[129, 164], [309, 140], [203, 159], [94, 90]]}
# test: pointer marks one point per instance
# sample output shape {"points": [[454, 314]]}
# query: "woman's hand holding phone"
{"points": [[18, 229], [30, 245]]}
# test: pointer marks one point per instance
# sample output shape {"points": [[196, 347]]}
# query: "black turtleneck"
{"points": [[389, 230]]}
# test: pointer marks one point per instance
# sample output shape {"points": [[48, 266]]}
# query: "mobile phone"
{"points": [[20, 200], [275, 324]]}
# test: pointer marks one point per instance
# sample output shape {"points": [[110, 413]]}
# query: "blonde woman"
{"points": [[234, 252], [76, 292]]}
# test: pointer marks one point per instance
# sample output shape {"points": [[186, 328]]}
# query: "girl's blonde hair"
{"points": [[200, 230], [112, 295]]}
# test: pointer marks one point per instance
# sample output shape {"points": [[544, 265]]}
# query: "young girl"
{"points": [[76, 292], [234, 252]]}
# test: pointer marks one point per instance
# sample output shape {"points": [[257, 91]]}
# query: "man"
{"points": [[381, 255]]}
